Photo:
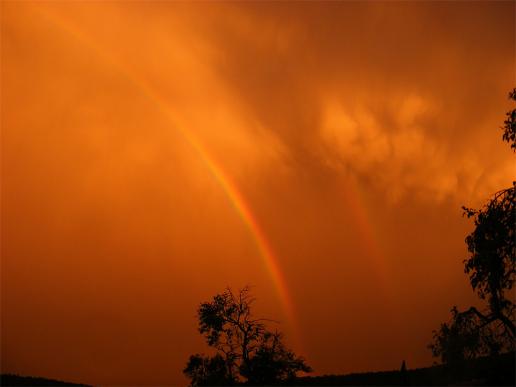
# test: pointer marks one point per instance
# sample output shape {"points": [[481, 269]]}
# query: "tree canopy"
{"points": [[491, 267], [509, 125], [246, 350]]}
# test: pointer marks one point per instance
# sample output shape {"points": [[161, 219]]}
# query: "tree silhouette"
{"points": [[509, 125], [491, 267], [272, 362], [247, 352], [208, 371]]}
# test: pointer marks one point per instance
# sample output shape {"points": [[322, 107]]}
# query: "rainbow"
{"points": [[352, 189], [234, 195], [372, 249], [242, 208]]}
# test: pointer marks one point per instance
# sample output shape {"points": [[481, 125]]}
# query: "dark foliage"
{"points": [[467, 337], [272, 362], [247, 352], [492, 264], [208, 371], [509, 125], [491, 268]]}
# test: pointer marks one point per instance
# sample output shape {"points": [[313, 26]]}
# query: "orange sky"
{"points": [[154, 153]]}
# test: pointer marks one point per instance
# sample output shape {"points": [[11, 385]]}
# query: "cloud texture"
{"points": [[354, 131]]}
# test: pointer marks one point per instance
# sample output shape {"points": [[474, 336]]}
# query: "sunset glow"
{"points": [[155, 153]]}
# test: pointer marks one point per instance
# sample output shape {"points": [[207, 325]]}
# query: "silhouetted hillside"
{"points": [[488, 371], [16, 380]]}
